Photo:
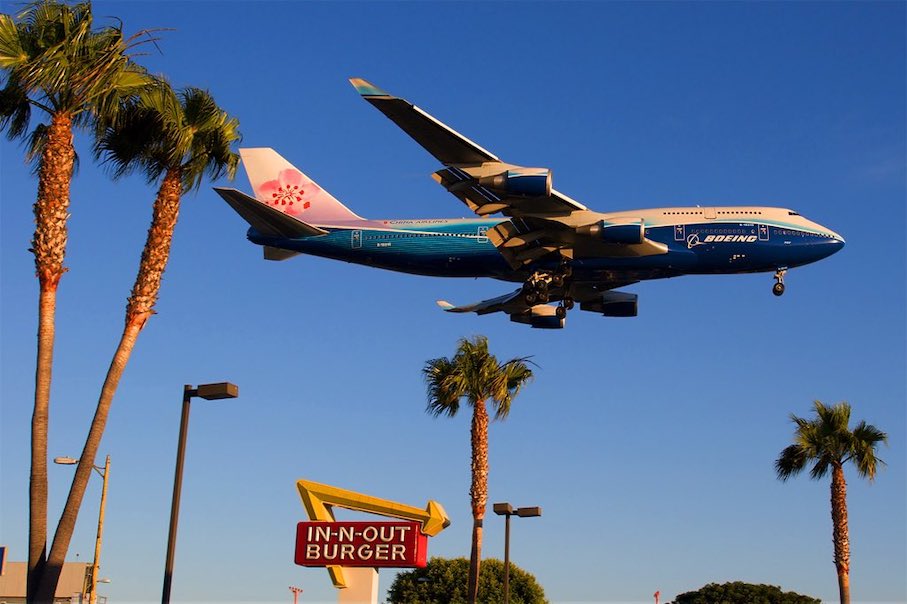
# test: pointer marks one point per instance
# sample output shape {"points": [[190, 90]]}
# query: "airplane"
{"points": [[558, 250]]}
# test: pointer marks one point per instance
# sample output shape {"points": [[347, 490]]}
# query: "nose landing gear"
{"points": [[778, 287]]}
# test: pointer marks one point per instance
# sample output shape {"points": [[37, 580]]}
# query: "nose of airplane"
{"points": [[838, 241], [830, 246]]}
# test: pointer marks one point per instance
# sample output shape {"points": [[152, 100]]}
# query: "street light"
{"points": [[209, 392], [506, 510], [92, 588]]}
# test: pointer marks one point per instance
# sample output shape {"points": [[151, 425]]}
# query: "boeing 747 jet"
{"points": [[560, 252]]}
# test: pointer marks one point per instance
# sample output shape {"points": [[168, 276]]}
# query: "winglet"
{"points": [[445, 305], [366, 88]]}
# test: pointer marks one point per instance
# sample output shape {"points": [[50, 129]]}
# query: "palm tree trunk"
{"points": [[139, 309], [49, 248], [478, 492], [840, 532]]}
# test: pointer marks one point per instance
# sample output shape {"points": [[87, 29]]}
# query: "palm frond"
{"points": [[474, 374], [791, 461], [826, 441], [866, 439], [15, 110]]}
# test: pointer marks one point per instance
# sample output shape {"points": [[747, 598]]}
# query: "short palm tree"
{"points": [[55, 61], [828, 443], [178, 139], [475, 375]]}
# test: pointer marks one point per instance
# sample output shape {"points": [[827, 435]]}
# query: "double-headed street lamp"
{"points": [[209, 392], [92, 587], [506, 510]]}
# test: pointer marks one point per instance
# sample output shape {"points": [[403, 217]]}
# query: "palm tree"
{"points": [[178, 139], [827, 442], [474, 374], [54, 60]]}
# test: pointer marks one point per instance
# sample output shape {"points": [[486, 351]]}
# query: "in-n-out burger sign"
{"points": [[373, 544], [401, 543]]}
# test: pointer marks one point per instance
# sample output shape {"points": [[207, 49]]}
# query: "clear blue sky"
{"points": [[648, 442]]}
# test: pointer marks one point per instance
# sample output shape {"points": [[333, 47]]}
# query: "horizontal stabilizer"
{"points": [[278, 253], [267, 220]]}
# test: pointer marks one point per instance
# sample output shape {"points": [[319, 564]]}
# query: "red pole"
{"points": [[296, 591], [657, 593]]}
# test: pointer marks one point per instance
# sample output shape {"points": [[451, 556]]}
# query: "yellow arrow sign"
{"points": [[318, 499]]}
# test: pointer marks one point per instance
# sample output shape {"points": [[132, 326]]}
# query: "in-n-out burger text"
{"points": [[387, 544]]}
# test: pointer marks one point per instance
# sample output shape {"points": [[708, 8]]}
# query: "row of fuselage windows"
{"points": [[411, 235], [790, 233], [728, 231], [723, 212]]}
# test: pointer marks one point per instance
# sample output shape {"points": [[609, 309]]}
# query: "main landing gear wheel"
{"points": [[537, 288], [778, 287]]}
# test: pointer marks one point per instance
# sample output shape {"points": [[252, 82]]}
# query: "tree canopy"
{"points": [[444, 581], [738, 592]]}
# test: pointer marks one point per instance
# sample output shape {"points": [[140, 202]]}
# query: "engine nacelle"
{"points": [[615, 232], [540, 316], [613, 304], [529, 182]]}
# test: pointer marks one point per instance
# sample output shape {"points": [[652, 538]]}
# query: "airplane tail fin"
{"points": [[280, 185]]}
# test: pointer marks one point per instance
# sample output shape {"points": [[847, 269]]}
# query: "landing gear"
{"points": [[537, 288], [778, 287], [562, 308]]}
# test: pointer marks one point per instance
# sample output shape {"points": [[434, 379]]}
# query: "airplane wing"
{"points": [[509, 303], [539, 316], [473, 174], [543, 221], [597, 297]]}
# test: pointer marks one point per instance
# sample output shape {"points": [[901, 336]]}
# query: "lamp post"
{"points": [[209, 392], [506, 510], [92, 587]]}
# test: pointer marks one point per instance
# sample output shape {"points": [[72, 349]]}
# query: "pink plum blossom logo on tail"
{"points": [[290, 192]]}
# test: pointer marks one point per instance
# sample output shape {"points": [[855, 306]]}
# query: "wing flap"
{"points": [[483, 200]]}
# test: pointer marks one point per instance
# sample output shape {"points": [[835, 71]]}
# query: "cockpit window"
{"points": [[789, 213]]}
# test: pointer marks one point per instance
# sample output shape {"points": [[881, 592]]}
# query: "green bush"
{"points": [[443, 581], [739, 592]]}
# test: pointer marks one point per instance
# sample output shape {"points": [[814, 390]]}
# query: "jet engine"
{"points": [[615, 232], [613, 304], [529, 182], [540, 316]]}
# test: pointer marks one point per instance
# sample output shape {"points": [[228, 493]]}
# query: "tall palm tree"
{"points": [[178, 139], [55, 61], [828, 443], [475, 375]]}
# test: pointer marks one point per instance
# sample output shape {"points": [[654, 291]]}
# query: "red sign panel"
{"points": [[375, 544]]}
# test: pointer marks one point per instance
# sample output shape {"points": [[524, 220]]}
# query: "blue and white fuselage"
{"points": [[697, 240]]}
